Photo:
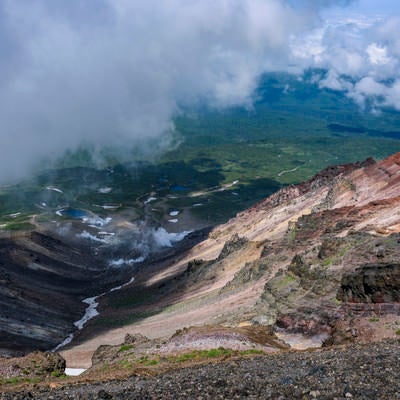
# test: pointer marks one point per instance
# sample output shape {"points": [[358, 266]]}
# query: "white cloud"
{"points": [[377, 54], [361, 56], [117, 71]]}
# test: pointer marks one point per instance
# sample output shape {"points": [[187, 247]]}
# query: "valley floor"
{"points": [[353, 372]]}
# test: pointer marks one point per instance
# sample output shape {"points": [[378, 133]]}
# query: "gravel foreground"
{"points": [[355, 372]]}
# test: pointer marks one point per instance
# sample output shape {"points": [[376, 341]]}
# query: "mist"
{"points": [[116, 73]]}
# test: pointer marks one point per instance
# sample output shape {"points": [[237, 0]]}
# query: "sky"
{"points": [[372, 7], [116, 72]]}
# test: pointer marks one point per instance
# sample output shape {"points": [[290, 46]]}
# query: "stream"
{"points": [[90, 312]]}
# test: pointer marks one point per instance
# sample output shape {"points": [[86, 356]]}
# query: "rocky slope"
{"points": [[315, 264], [317, 261], [43, 279], [351, 372]]}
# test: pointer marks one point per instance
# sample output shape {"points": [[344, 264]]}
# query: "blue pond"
{"points": [[74, 213], [178, 188]]}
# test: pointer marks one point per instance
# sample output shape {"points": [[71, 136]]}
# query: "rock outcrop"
{"points": [[371, 283]]}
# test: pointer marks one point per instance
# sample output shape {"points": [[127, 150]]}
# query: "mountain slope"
{"points": [[43, 279], [313, 259]]}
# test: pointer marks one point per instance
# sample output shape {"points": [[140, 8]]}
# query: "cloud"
{"points": [[116, 72], [361, 56]]}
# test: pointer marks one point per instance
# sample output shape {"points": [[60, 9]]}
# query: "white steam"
{"points": [[148, 240], [166, 239]]}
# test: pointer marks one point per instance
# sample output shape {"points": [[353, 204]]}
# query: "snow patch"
{"points": [[121, 286], [90, 312], [74, 371], [106, 233], [174, 220], [174, 213], [123, 261], [66, 341], [104, 190], [15, 215], [111, 206], [97, 221], [149, 200], [54, 189]]}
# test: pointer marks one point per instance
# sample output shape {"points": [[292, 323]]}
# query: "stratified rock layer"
{"points": [[43, 279]]}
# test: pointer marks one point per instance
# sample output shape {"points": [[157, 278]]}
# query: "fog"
{"points": [[116, 72]]}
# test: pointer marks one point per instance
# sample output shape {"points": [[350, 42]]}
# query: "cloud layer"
{"points": [[361, 56], [115, 72]]}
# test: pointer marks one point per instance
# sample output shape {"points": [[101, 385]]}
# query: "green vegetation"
{"points": [[327, 262], [58, 374], [199, 355], [285, 280], [125, 364], [125, 347], [398, 332], [251, 352], [150, 362], [192, 356], [337, 301], [293, 130], [19, 379], [18, 226], [374, 319]]}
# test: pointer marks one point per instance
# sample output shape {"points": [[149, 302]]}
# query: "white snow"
{"points": [[174, 213], [54, 189], [104, 190], [97, 221], [174, 220], [66, 341], [149, 200], [121, 286], [122, 261], [74, 371], [90, 312], [111, 207]]}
